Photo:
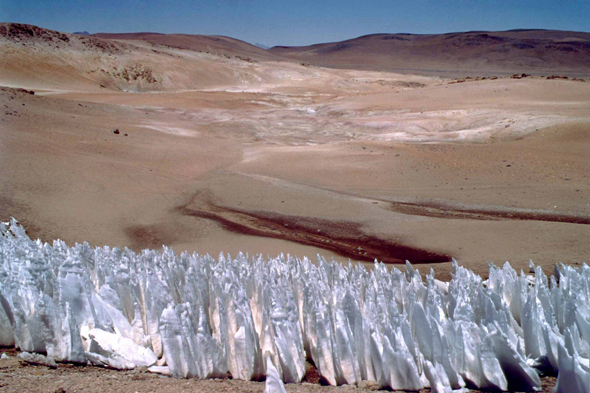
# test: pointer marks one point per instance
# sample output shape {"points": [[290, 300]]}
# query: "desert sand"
{"points": [[140, 144]]}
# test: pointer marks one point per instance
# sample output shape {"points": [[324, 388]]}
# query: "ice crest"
{"points": [[273, 384], [195, 316]]}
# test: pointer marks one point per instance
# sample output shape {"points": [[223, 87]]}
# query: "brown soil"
{"points": [[346, 239], [17, 376], [486, 213]]}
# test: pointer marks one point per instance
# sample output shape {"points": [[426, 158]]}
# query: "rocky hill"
{"points": [[475, 53]]}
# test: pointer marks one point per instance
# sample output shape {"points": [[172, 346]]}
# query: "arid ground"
{"points": [[142, 144], [17, 376]]}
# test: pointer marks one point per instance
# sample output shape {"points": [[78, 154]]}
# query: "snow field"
{"points": [[195, 316]]}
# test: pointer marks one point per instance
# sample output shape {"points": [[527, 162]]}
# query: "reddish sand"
{"points": [[267, 157]]}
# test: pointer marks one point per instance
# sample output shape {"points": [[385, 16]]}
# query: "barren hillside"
{"points": [[45, 59], [459, 54], [201, 43]]}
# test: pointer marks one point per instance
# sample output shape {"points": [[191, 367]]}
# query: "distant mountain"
{"points": [[141, 61], [475, 52], [81, 33], [262, 46]]}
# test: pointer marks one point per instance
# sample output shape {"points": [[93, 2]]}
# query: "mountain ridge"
{"points": [[474, 53], [204, 43], [535, 51]]}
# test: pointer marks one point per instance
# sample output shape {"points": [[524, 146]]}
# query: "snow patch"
{"points": [[195, 316]]}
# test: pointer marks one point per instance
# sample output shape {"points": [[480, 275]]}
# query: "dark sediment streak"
{"points": [[342, 238], [486, 213]]}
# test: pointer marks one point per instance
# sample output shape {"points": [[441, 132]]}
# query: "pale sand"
{"points": [[327, 163]]}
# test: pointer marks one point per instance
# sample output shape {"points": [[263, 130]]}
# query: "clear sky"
{"points": [[297, 22]]}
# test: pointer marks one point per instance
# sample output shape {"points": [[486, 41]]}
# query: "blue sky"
{"points": [[297, 22]]}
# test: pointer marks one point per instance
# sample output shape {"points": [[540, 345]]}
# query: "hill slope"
{"points": [[505, 52], [39, 58], [202, 43]]}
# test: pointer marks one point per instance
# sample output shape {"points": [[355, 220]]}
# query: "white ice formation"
{"points": [[194, 316], [37, 359], [274, 384]]}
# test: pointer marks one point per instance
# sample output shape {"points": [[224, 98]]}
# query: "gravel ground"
{"points": [[17, 376]]}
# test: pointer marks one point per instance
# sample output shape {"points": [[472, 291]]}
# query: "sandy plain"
{"points": [[270, 156], [479, 171]]}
